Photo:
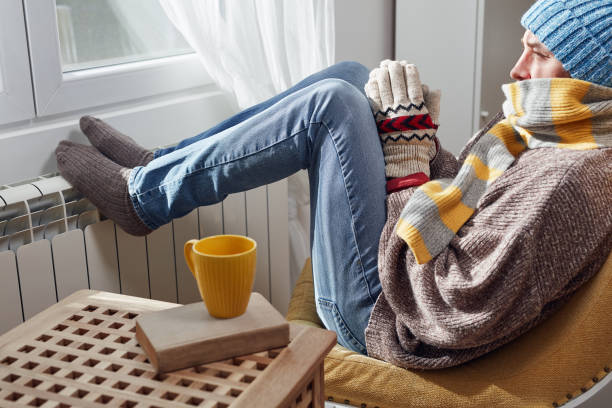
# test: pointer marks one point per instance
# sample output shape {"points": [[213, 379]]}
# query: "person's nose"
{"points": [[520, 71]]}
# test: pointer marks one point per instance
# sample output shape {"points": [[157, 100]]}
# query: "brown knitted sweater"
{"points": [[539, 232]]}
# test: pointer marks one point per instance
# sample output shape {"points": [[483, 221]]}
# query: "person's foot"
{"points": [[120, 148], [102, 181]]}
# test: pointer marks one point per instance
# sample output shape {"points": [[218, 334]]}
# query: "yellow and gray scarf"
{"points": [[564, 113]]}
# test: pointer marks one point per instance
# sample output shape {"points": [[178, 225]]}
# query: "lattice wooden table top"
{"points": [[82, 352]]}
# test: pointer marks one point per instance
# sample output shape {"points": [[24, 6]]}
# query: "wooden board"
{"points": [[187, 336], [81, 352]]}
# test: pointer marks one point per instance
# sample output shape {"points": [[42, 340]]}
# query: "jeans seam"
{"points": [[333, 306], [329, 130], [197, 170], [136, 204]]}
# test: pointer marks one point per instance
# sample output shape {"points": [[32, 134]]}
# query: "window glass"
{"points": [[96, 33]]}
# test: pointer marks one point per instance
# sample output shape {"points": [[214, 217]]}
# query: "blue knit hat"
{"points": [[579, 34]]}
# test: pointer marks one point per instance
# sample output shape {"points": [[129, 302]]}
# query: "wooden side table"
{"points": [[82, 352]]}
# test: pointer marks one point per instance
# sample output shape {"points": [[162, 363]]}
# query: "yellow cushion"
{"points": [[556, 361]]}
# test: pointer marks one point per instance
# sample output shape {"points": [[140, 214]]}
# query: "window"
{"points": [[86, 54], [98, 33], [61, 59], [16, 101]]}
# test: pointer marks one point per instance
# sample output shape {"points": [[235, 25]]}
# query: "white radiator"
{"points": [[53, 242]]}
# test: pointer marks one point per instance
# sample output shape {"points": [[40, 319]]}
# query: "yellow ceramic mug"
{"points": [[224, 267]]}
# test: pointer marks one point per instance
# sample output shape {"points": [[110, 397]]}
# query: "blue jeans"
{"points": [[323, 124]]}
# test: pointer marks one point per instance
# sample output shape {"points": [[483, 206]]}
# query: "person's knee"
{"points": [[340, 104], [353, 67], [339, 90], [340, 99], [353, 72]]}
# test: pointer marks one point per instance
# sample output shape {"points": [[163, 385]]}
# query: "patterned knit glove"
{"points": [[406, 115]]}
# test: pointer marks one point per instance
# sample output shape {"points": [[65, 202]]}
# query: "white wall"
{"points": [[467, 51], [501, 48], [442, 44], [364, 31]]}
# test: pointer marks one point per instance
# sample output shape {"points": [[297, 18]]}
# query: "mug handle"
{"points": [[188, 251]]}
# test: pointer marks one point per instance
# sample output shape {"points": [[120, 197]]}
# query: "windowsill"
{"points": [[28, 147]]}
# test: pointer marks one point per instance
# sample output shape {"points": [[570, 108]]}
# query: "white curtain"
{"points": [[147, 27], [256, 49]]}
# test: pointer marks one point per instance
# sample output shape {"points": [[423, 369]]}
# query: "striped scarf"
{"points": [[564, 113]]}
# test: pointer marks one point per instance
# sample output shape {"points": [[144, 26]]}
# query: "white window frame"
{"points": [[16, 103], [57, 92]]}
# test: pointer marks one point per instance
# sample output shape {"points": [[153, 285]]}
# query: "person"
{"points": [[419, 258]]}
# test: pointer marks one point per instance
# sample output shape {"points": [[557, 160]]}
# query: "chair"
{"points": [[566, 358]]}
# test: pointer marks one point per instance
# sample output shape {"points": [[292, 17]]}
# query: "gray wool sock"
{"points": [[102, 181], [120, 148]]}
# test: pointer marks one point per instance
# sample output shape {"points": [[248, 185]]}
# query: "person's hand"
{"points": [[406, 115]]}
